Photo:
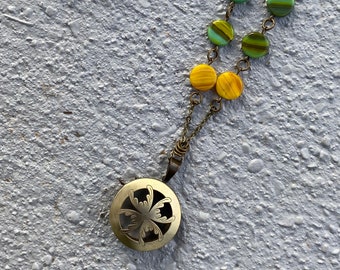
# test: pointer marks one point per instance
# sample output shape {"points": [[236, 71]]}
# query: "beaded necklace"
{"points": [[145, 213]]}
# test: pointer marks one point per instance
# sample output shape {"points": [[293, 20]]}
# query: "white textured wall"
{"points": [[260, 186]]}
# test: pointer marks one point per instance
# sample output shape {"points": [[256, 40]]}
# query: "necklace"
{"points": [[145, 213]]}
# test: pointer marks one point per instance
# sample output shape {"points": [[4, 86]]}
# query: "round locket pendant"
{"points": [[145, 214]]}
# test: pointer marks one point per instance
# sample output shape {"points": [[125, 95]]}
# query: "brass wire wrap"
{"points": [[180, 149], [176, 157]]}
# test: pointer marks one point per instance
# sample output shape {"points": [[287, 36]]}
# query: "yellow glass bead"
{"points": [[229, 85], [203, 77]]}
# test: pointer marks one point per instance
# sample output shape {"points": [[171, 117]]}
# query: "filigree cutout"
{"points": [[146, 218]]}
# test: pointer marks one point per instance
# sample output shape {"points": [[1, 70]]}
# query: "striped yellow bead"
{"points": [[203, 77], [229, 85]]}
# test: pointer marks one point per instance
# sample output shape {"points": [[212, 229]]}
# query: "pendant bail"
{"points": [[176, 158], [173, 167]]}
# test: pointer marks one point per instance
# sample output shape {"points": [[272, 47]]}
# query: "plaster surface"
{"points": [[94, 91]]}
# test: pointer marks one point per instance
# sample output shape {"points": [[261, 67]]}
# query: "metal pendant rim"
{"points": [[116, 207]]}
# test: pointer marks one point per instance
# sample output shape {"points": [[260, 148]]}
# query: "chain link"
{"points": [[195, 99], [212, 55], [182, 145], [230, 8], [242, 65], [215, 107], [268, 24]]}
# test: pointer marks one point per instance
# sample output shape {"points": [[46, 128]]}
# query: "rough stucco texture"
{"points": [[94, 91]]}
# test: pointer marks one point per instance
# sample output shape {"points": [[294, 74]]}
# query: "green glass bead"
{"points": [[280, 8], [240, 1], [255, 45], [220, 32]]}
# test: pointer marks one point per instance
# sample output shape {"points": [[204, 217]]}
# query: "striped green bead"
{"points": [[240, 1], [220, 32], [280, 8], [255, 45]]}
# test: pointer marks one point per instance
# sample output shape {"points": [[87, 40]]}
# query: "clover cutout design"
{"points": [[146, 215]]}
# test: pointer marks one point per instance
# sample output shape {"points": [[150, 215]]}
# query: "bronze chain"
{"points": [[230, 9], [268, 24], [183, 143], [212, 55]]}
